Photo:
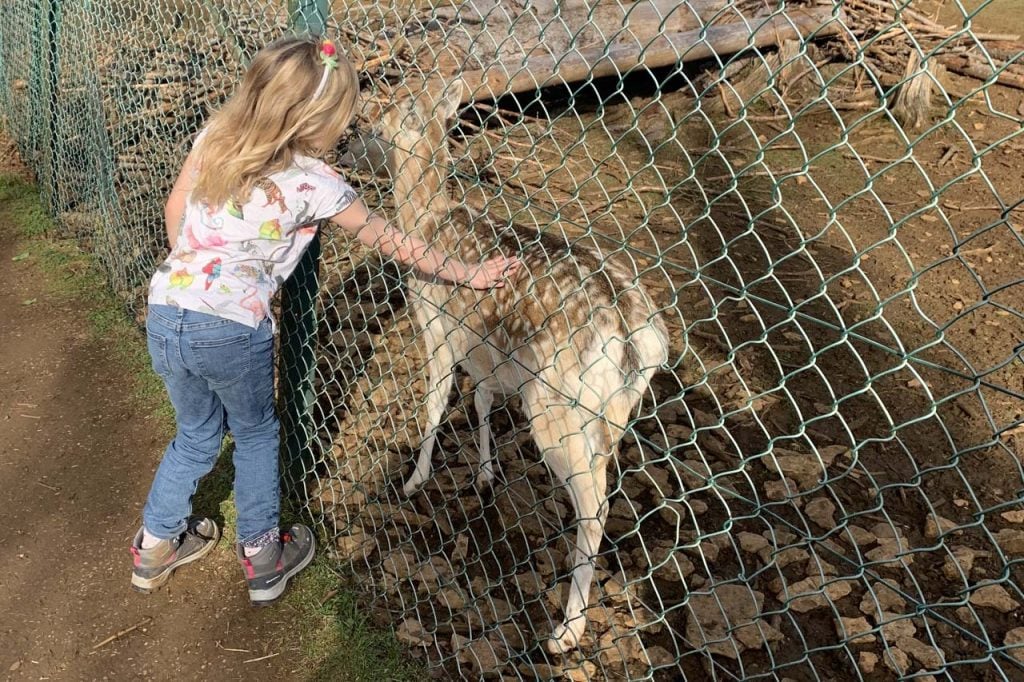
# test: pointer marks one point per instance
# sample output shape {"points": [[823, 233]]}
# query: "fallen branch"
{"points": [[666, 49], [122, 633]]}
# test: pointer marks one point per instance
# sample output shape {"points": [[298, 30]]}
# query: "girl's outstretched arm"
{"points": [[174, 210], [374, 231]]}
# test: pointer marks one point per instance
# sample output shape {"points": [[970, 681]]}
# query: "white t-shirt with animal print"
{"points": [[230, 261]]}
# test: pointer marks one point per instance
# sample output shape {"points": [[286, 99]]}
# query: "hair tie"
{"points": [[329, 58]]}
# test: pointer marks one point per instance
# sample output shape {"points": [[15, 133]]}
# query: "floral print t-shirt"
{"points": [[230, 261]]}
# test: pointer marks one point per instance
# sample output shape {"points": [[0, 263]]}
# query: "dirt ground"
{"points": [[77, 452], [837, 448]]}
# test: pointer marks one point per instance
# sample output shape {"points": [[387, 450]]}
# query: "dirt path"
{"points": [[76, 458]]}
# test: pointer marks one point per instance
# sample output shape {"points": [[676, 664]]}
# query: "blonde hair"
{"points": [[273, 117]]}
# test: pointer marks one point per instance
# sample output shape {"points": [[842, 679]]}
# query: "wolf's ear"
{"points": [[451, 100]]}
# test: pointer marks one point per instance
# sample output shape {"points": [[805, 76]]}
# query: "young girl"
{"points": [[242, 211]]}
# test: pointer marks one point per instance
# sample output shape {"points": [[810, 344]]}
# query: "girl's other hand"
{"points": [[492, 273]]}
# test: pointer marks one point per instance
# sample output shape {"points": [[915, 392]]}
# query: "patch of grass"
{"points": [[341, 643], [338, 641]]}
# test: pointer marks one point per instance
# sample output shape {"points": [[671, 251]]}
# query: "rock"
{"points": [[894, 626], [432, 574], [896, 660], [861, 536], [965, 615], [452, 598], [672, 513], [780, 536], [584, 672], [540, 671], [850, 628], [867, 661], [480, 654], [547, 562], [881, 598], [512, 637], [712, 616], [555, 595], [883, 531], [995, 597], [356, 545], [632, 486], [891, 550], [659, 656], [790, 555], [615, 591], [1011, 540], [822, 511], [810, 593], [1015, 641], [805, 469], [829, 453], [670, 564], [337, 491], [623, 509], [816, 565], [495, 610], [936, 525], [412, 633], [681, 432], [780, 490], [694, 473], [636, 619], [708, 551], [752, 542], [659, 479], [1015, 516], [529, 583], [461, 548], [757, 635], [412, 518], [616, 527], [399, 563], [925, 654], [959, 566], [616, 648]]}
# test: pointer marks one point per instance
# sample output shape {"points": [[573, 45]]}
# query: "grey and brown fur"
{"points": [[574, 335]]}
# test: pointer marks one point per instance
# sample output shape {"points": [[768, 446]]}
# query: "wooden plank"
{"points": [[663, 49]]}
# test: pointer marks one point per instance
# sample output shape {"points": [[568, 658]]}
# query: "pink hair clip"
{"points": [[329, 58], [328, 54]]}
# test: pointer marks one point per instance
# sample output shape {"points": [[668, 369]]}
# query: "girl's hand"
{"points": [[492, 273]]}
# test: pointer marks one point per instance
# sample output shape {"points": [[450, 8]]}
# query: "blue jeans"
{"points": [[216, 371]]}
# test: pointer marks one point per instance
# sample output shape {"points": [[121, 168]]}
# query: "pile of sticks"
{"points": [[891, 35], [155, 95], [158, 84]]}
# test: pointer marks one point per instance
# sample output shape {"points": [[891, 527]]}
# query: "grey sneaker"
{"points": [[154, 566], [268, 571]]}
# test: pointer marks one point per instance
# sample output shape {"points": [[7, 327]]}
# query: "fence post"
{"points": [[35, 92], [53, 70], [297, 364]]}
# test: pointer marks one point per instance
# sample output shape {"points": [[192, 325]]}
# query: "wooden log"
{"points": [[534, 72], [965, 65], [641, 18]]}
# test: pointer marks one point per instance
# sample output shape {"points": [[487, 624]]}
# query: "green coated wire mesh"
{"points": [[824, 203]]}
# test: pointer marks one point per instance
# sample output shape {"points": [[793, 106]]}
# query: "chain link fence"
{"points": [[822, 200]]}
